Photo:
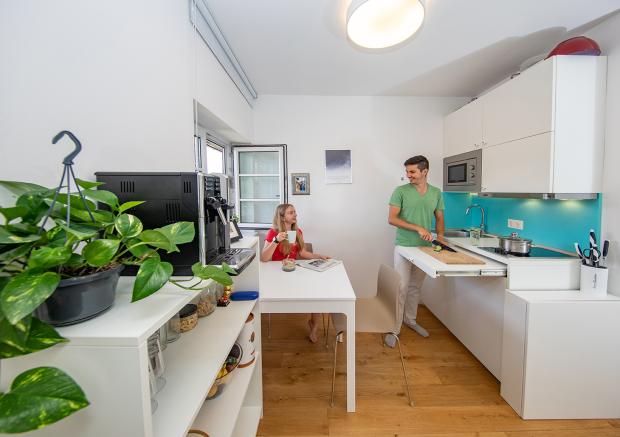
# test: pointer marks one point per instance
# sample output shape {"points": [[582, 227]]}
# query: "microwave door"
{"points": [[457, 173]]}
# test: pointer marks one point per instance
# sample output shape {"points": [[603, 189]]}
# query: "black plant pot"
{"points": [[81, 298]]}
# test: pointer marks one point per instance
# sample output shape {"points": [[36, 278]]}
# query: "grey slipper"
{"points": [[389, 340], [419, 329]]}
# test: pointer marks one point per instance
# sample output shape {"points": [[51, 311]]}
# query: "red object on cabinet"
{"points": [[579, 45]]}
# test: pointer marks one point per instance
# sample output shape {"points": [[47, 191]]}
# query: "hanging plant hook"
{"points": [[78, 146]]}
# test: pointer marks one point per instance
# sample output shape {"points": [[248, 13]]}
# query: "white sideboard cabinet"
{"points": [[108, 358], [561, 355]]}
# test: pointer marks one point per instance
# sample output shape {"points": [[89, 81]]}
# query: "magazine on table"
{"points": [[319, 265]]}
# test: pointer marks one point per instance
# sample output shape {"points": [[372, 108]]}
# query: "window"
{"points": [[261, 183], [215, 158]]}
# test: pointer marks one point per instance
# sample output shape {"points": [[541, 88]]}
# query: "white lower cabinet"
{"points": [[108, 358], [561, 355], [471, 308]]}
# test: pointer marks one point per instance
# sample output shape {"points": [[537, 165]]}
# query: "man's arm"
{"points": [[440, 224], [394, 220]]}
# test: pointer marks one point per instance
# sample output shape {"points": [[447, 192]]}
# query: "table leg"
{"points": [[350, 357]]}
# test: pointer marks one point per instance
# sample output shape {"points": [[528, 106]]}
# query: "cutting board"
{"points": [[447, 257]]}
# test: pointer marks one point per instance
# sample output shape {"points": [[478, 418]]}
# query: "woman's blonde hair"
{"points": [[280, 226]]}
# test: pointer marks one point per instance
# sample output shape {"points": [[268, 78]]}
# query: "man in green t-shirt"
{"points": [[412, 207]]}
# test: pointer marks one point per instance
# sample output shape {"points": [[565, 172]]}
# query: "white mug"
{"points": [[292, 236]]}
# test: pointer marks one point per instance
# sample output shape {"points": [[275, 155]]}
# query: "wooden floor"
{"points": [[454, 395]]}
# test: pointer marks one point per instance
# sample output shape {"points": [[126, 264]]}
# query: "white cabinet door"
{"points": [[521, 107], [522, 166], [463, 129]]}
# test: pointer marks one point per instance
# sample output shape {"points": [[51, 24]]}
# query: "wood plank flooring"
{"points": [[454, 395]]}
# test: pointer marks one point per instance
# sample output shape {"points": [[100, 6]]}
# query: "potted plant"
{"points": [[80, 246]]}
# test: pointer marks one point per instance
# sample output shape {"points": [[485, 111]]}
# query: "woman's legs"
{"points": [[313, 323]]}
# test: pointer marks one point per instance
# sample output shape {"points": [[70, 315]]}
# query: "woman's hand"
{"points": [[324, 256], [282, 236]]}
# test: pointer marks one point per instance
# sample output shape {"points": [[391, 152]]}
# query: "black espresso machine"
{"points": [[173, 197]]}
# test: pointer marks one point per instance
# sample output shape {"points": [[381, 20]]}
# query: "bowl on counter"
{"points": [[223, 376]]}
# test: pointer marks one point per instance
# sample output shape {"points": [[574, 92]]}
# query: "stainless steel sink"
{"points": [[453, 232]]}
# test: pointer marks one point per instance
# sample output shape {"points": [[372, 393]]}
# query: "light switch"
{"points": [[515, 224]]}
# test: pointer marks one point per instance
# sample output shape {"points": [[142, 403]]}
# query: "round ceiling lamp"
{"points": [[377, 24]]}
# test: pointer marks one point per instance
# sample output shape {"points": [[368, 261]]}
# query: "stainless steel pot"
{"points": [[515, 244]]}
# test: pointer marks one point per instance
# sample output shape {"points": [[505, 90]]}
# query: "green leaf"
{"points": [[76, 201], [178, 233], [8, 238], [22, 229], [26, 336], [102, 218], [102, 196], [13, 254], [211, 272], [81, 231], [138, 251], [88, 184], [25, 292], [152, 275], [159, 240], [36, 206], [47, 257], [13, 338], [128, 205], [100, 252], [39, 397], [228, 269], [128, 226], [75, 260], [19, 188], [13, 212]]}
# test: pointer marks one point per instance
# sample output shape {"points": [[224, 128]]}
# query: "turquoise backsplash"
{"points": [[553, 223]]}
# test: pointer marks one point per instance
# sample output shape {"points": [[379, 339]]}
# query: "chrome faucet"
{"points": [[481, 215]]}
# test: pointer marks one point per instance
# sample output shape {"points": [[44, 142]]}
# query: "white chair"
{"points": [[377, 314]]}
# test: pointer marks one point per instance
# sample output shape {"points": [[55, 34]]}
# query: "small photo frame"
{"points": [[300, 183], [235, 232]]}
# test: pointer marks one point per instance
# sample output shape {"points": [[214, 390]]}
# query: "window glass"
{"points": [[215, 160], [259, 163]]}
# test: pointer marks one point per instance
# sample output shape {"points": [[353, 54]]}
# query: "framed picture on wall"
{"points": [[338, 166], [300, 183], [235, 233]]}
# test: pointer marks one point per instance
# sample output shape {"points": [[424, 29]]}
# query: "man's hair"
{"points": [[418, 160]]}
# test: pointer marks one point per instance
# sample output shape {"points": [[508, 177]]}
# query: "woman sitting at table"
{"points": [[277, 248]]}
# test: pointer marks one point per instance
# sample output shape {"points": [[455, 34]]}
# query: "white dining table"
{"points": [[308, 291]]}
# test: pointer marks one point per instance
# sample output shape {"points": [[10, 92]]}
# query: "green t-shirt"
{"points": [[416, 209]]}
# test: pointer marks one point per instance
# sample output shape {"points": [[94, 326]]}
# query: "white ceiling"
{"points": [[464, 46]]}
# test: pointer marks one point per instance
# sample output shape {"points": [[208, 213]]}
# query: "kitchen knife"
{"points": [[580, 253], [442, 245], [593, 249]]}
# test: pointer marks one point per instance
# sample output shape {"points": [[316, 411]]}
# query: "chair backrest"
{"points": [[308, 247], [388, 284]]}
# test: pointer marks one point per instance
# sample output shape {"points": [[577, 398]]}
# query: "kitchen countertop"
{"points": [[466, 243]]}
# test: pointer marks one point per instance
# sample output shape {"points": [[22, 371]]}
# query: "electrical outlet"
{"points": [[515, 224]]}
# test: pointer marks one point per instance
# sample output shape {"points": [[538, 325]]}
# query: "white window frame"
{"points": [[281, 149]]}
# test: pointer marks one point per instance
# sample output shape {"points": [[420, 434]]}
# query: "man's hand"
{"points": [[425, 235]]}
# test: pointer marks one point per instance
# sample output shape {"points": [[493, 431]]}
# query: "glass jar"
{"points": [[207, 300], [288, 264], [173, 328]]}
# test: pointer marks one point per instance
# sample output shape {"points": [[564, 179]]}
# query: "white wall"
{"points": [[349, 221], [608, 37], [120, 75]]}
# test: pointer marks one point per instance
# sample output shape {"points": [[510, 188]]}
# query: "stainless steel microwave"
{"points": [[463, 172]]}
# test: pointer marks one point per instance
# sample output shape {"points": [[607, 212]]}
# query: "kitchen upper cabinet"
{"points": [[521, 107], [463, 129], [541, 132], [526, 168]]}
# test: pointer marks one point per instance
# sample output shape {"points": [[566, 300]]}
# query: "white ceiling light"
{"points": [[377, 24]]}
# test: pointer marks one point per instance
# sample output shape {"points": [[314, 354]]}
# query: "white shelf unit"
{"points": [[107, 356]]}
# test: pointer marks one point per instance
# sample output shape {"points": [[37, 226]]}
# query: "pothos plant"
{"points": [[79, 239]]}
